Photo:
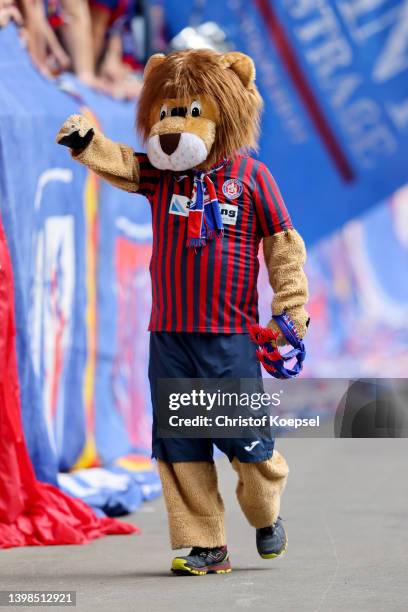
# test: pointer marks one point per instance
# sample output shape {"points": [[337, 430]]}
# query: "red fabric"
{"points": [[32, 513], [262, 335]]}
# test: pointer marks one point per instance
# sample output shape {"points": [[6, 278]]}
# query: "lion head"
{"points": [[198, 107]]}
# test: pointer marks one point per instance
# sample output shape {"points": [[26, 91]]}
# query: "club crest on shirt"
{"points": [[232, 188]]}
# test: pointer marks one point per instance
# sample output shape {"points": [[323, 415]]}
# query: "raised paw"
{"points": [[76, 132]]}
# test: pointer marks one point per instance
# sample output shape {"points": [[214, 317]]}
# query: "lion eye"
{"points": [[195, 109], [163, 112]]}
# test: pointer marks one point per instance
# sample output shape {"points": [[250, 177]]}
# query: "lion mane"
{"points": [[182, 75]]}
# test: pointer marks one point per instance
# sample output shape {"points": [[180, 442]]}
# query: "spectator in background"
{"points": [[73, 21], [9, 12], [104, 42], [121, 32], [46, 51]]}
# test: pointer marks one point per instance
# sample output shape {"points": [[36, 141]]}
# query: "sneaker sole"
{"points": [[180, 568]]}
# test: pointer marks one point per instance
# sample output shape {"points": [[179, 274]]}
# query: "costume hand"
{"points": [[301, 320], [266, 339], [274, 361], [76, 133]]}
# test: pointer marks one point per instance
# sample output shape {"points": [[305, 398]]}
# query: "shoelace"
{"points": [[199, 552]]}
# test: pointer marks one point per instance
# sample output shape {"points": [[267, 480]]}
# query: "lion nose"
{"points": [[169, 142]]}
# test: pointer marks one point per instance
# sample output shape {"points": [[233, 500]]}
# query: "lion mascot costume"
{"points": [[212, 205]]}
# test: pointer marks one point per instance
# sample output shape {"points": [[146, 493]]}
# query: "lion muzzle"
{"points": [[169, 142], [176, 151]]}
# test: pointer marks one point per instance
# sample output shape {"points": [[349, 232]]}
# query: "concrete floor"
{"points": [[346, 512]]}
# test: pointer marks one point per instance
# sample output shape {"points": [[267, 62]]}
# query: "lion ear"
{"points": [[241, 64], [152, 62]]}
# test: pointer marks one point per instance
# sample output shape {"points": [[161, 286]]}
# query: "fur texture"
{"points": [[285, 256], [112, 161], [223, 82], [260, 487], [195, 507]]}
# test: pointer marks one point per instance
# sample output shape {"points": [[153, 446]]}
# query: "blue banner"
{"points": [[80, 252], [39, 191], [122, 389], [334, 79]]}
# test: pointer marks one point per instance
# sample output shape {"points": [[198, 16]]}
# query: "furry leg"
{"points": [[194, 505], [259, 489]]}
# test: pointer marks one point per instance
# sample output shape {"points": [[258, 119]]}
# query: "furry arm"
{"points": [[285, 255], [114, 162]]}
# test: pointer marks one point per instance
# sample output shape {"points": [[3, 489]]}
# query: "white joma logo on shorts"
{"points": [[251, 446]]}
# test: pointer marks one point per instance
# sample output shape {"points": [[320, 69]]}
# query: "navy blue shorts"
{"points": [[204, 355]]}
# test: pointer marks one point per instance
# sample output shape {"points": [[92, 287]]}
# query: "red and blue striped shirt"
{"points": [[214, 288]]}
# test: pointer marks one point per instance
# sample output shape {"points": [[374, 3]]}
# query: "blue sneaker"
{"points": [[203, 561], [271, 541]]}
